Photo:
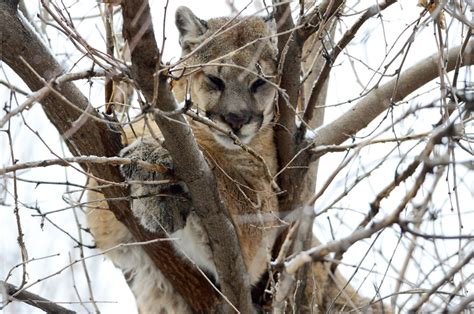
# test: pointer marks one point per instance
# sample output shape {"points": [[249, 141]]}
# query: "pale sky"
{"points": [[108, 283]]}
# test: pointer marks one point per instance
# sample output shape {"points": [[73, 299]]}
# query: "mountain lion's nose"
{"points": [[236, 121]]}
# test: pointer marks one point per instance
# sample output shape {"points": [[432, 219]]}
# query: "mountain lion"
{"points": [[228, 70]]}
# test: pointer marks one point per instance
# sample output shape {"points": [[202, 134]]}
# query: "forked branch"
{"points": [[37, 65]]}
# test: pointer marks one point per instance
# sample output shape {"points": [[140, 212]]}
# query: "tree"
{"points": [[405, 205]]}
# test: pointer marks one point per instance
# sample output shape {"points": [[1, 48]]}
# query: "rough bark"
{"points": [[292, 160], [190, 164], [290, 47], [33, 299], [20, 43]]}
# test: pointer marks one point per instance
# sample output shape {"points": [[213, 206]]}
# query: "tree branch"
{"points": [[32, 299], [191, 166], [466, 303], [83, 160], [319, 14], [424, 298], [293, 160], [381, 98], [42, 92], [290, 48], [346, 39], [92, 138]]}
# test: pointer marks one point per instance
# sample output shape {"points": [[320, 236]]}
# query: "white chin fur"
{"points": [[247, 133]]}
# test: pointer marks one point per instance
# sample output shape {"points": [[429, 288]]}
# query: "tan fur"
{"points": [[152, 291], [242, 182], [148, 284], [243, 186]]}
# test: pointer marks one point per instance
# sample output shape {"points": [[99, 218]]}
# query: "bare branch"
{"points": [[83, 160], [290, 46], [381, 98], [466, 304], [318, 17], [32, 299], [318, 253], [14, 88], [441, 282], [346, 39], [190, 164], [19, 44], [404, 226], [44, 91]]}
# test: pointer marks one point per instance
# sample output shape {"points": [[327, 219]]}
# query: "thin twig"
{"points": [[424, 297], [65, 162]]}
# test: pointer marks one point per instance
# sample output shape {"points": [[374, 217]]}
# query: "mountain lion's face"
{"points": [[229, 84]]}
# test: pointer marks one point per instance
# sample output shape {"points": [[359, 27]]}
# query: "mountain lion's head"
{"points": [[230, 65]]}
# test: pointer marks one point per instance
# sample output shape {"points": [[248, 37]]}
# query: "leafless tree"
{"points": [[394, 165]]}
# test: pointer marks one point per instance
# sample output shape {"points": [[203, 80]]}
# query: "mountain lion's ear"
{"points": [[191, 28]]}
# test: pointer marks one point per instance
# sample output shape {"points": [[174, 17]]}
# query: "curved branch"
{"points": [[20, 45], [320, 14], [380, 99]]}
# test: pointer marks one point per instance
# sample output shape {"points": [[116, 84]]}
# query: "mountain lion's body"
{"points": [[232, 87]]}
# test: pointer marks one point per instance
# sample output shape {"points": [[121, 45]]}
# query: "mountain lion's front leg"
{"points": [[158, 200], [162, 203]]}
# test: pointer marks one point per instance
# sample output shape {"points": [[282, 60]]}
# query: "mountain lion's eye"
{"points": [[216, 82], [256, 84]]}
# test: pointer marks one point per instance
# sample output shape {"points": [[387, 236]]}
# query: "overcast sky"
{"points": [[108, 284]]}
